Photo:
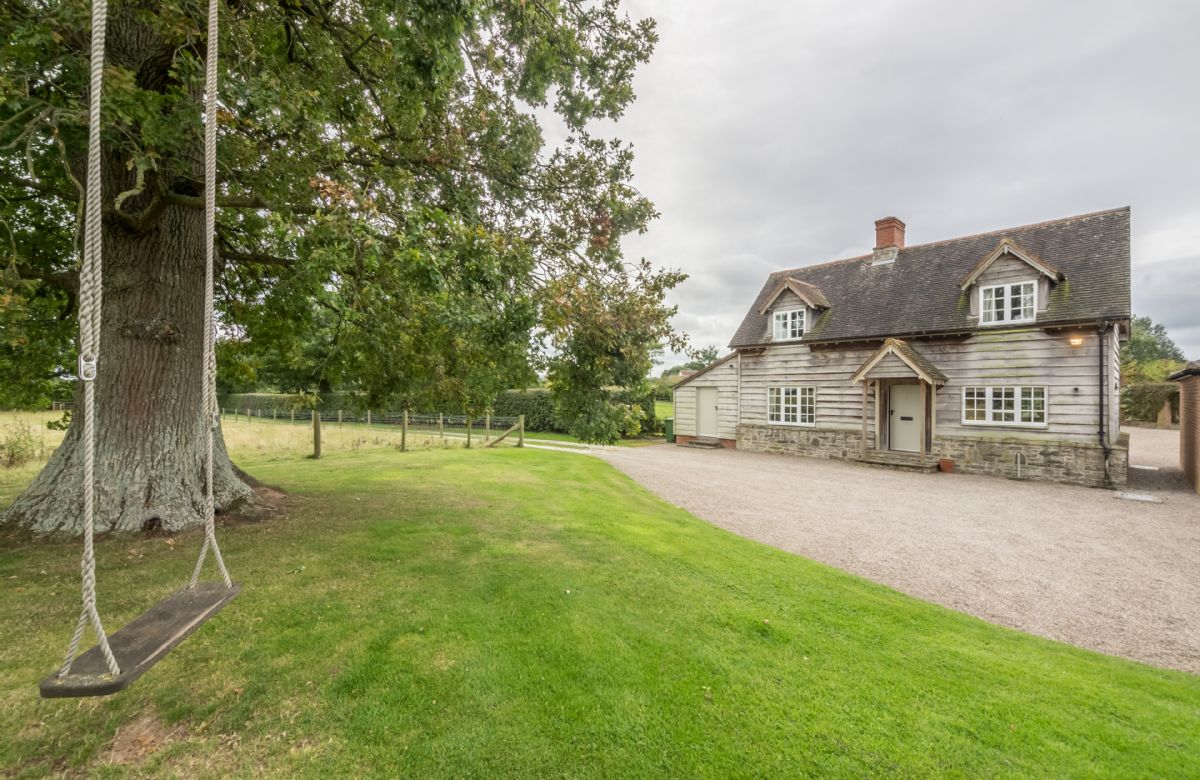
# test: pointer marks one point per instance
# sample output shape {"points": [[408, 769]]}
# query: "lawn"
{"points": [[464, 613]]}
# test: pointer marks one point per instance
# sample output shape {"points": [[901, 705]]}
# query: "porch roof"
{"points": [[909, 355]]}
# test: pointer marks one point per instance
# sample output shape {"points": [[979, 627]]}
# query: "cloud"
{"points": [[1169, 293], [772, 135]]}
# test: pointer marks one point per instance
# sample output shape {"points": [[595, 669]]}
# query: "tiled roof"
{"points": [[919, 292], [1191, 369]]}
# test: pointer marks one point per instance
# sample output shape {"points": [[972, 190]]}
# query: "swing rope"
{"points": [[210, 360], [90, 308], [90, 288]]}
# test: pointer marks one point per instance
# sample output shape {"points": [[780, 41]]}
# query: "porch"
{"points": [[899, 407]]}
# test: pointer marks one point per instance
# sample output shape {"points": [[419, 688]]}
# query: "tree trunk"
{"points": [[150, 423]]}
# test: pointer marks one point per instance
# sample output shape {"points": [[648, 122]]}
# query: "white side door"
{"points": [[904, 418], [706, 411]]}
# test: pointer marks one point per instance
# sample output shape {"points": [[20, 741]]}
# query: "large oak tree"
{"points": [[384, 186]]}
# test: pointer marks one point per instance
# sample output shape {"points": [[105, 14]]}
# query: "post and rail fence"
{"points": [[443, 426]]}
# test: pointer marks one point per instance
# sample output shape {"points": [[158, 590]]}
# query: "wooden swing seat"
{"points": [[141, 643]]}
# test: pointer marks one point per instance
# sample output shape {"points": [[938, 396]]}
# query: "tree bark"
{"points": [[150, 423]]}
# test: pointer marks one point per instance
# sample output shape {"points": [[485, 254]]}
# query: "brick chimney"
{"points": [[889, 240], [889, 232]]}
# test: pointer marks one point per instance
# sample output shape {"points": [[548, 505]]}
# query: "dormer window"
{"points": [[1005, 303], [789, 324]]}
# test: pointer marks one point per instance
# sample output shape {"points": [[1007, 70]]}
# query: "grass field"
{"points": [[457, 613], [664, 409]]}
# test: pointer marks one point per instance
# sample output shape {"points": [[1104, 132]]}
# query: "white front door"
{"points": [[904, 432], [706, 411]]}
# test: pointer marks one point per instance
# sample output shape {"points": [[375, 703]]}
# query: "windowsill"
{"points": [[1005, 425], [787, 341], [791, 425], [1006, 323]]}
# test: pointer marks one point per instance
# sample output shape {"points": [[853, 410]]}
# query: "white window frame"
{"points": [[994, 393], [787, 319], [1006, 294], [803, 405]]}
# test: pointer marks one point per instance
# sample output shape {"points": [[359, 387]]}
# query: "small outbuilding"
{"points": [[1189, 421]]}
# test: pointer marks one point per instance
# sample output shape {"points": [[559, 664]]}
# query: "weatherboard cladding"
{"points": [[919, 292]]}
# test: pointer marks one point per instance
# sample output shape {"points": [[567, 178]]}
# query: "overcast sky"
{"points": [[773, 134]]}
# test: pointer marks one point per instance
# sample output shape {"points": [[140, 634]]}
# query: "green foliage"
{"points": [[391, 219], [536, 404], [18, 446], [1151, 371], [1150, 355], [62, 423], [603, 331], [1142, 402], [1149, 341], [663, 387], [35, 343]]}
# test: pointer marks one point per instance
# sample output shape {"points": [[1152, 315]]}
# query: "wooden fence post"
{"points": [[274, 414], [316, 419], [521, 430], [293, 420], [441, 426], [404, 432], [487, 428], [339, 418], [468, 433], [368, 417]]}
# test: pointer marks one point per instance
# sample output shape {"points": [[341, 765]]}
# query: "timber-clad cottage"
{"points": [[998, 352]]}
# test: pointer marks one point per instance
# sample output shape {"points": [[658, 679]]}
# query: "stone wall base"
{"points": [[813, 442], [1075, 463], [728, 444]]}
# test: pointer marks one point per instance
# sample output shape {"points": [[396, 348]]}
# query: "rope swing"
{"points": [[113, 665]]}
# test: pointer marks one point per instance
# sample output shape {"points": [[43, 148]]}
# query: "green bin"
{"points": [[669, 428]]}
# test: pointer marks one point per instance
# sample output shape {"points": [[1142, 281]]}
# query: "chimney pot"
{"points": [[889, 233]]}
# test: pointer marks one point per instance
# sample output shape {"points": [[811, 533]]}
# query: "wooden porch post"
{"points": [[932, 416], [878, 415], [924, 395], [863, 449]]}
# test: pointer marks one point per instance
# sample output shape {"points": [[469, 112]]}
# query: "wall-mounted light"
{"points": [[1075, 341]]}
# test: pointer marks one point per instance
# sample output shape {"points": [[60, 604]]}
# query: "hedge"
{"points": [[1141, 402], [536, 405], [286, 402]]}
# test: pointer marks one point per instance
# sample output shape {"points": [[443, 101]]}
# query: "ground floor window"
{"points": [[1004, 405], [792, 405]]}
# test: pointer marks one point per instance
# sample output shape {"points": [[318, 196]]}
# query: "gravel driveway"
{"points": [[1069, 563]]}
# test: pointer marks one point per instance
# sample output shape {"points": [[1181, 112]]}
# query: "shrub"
{"points": [[18, 447], [643, 398], [1141, 402]]}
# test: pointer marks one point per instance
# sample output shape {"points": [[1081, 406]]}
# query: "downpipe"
{"points": [[1102, 332]]}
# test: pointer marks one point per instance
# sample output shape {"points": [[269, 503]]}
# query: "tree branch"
{"points": [[255, 258], [45, 188], [254, 202]]}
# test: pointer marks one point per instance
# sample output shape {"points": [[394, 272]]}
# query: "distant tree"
{"points": [[702, 358], [1150, 355], [1149, 341]]}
